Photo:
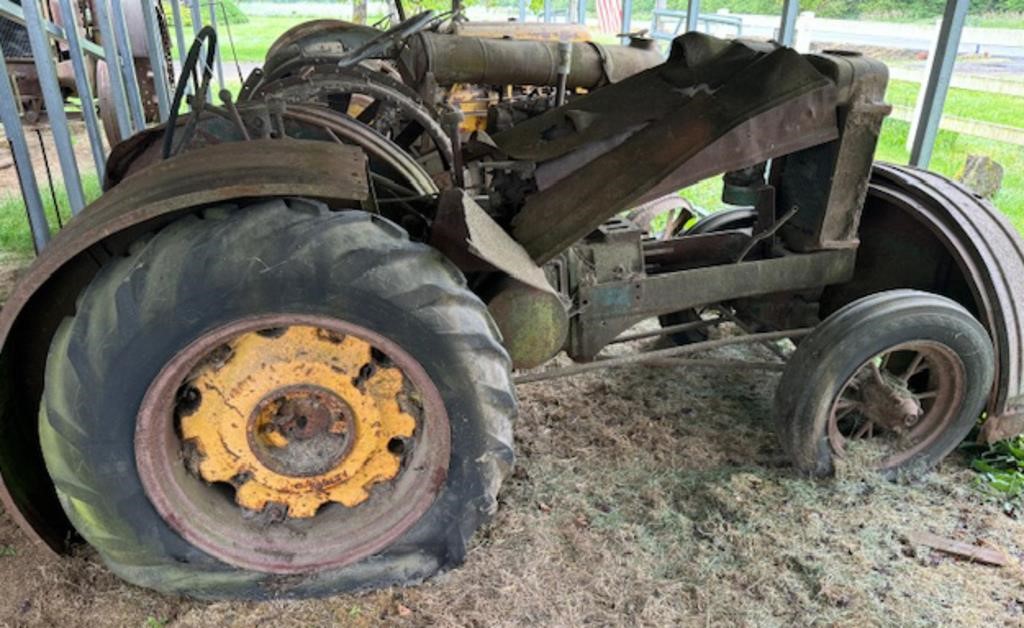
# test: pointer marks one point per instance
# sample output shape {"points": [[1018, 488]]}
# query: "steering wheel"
{"points": [[199, 89], [382, 44]]}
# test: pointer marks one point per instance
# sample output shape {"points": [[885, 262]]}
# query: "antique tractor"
{"points": [[278, 356]]}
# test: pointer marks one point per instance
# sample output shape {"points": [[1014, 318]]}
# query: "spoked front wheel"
{"points": [[894, 381]]}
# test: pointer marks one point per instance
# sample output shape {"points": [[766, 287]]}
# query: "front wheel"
{"points": [[894, 380], [278, 400]]}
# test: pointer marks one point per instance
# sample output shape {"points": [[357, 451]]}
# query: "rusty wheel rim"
{"points": [[901, 400], [330, 443]]}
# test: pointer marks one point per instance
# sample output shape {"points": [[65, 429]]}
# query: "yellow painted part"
{"points": [[259, 368]]}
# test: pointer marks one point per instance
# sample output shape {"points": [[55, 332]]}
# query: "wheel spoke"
{"points": [[409, 134], [367, 115], [914, 368], [339, 102], [931, 394], [866, 429]]}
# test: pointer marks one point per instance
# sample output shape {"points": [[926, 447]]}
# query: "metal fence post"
{"points": [[692, 15], [127, 65], [522, 10], [582, 12], [547, 11], [155, 48], [11, 120], [627, 20], [213, 23], [197, 25], [932, 98], [787, 30], [54, 100], [111, 58], [804, 32], [85, 93], [179, 30]]}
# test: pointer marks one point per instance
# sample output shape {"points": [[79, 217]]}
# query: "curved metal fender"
{"points": [[989, 255], [46, 294]]}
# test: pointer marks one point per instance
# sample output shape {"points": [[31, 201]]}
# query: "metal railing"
{"points": [[666, 25], [117, 33]]}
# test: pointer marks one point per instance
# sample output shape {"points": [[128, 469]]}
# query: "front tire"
{"points": [[344, 278], [903, 373]]}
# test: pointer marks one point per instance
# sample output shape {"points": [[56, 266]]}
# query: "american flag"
{"points": [[609, 16]]}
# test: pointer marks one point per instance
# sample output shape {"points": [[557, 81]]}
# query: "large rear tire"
{"points": [[289, 272]]}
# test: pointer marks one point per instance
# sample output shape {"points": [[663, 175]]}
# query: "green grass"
{"points": [[14, 232], [951, 151], [965, 103]]}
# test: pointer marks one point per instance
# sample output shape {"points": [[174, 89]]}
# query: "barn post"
{"points": [[932, 98]]}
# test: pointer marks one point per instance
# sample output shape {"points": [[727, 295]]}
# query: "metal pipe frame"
{"points": [[15, 13], [127, 64], [85, 93], [197, 25], [627, 20], [522, 10], [787, 30], [547, 11], [179, 30], [219, 61], [155, 48], [11, 120], [936, 88], [106, 26], [581, 16], [692, 15], [49, 84]]}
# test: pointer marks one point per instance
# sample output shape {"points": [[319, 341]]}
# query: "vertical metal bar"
{"points": [[547, 11], [213, 23], [54, 100], [787, 30], [627, 19], [692, 15], [937, 86], [85, 94], [522, 10], [179, 30], [197, 25], [110, 53], [127, 59], [157, 61], [582, 12], [11, 120]]}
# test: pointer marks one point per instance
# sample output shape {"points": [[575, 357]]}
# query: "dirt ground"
{"points": [[9, 174], [645, 496]]}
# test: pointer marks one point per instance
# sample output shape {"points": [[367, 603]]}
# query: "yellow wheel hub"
{"points": [[295, 418]]}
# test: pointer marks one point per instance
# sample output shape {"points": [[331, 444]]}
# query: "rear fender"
{"points": [[46, 294]]}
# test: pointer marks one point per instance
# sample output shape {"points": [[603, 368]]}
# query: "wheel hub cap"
{"points": [[295, 419]]}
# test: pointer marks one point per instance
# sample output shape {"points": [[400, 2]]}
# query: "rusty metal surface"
{"points": [[902, 400], [454, 59], [317, 39], [608, 308], [274, 541], [538, 31], [46, 292], [990, 254], [689, 109]]}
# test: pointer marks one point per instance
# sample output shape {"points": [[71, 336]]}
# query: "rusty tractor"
{"points": [[278, 356]]}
